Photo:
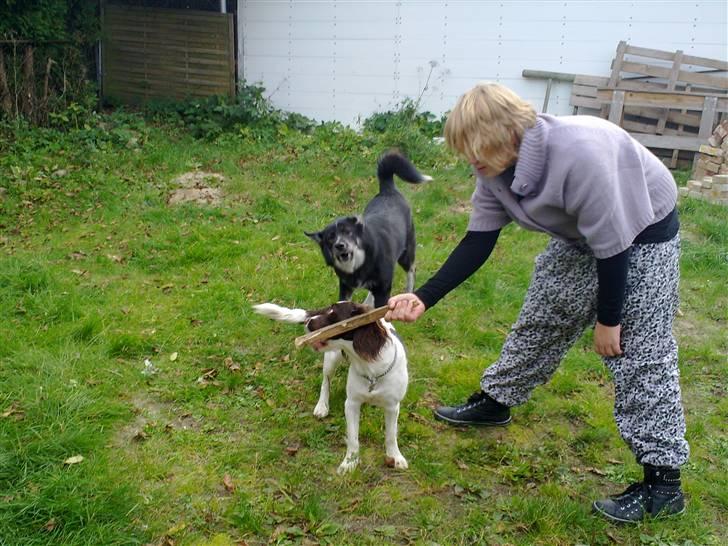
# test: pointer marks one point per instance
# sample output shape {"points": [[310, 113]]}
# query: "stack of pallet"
{"points": [[710, 176], [668, 100]]}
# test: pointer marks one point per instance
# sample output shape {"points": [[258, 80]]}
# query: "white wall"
{"points": [[341, 60]]}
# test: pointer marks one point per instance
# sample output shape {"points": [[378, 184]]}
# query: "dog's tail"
{"points": [[393, 162], [283, 314]]}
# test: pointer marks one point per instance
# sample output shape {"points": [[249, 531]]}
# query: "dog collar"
{"points": [[373, 380]]}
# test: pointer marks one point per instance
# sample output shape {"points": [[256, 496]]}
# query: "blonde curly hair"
{"points": [[487, 124]]}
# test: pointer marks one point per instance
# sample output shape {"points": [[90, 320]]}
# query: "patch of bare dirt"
{"points": [[151, 412], [691, 328], [197, 187], [462, 207]]}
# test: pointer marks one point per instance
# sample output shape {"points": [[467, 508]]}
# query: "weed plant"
{"points": [[127, 338]]}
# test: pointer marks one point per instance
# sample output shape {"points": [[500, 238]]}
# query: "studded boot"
{"points": [[659, 495]]}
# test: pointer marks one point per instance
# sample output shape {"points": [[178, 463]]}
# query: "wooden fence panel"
{"points": [[164, 53]]}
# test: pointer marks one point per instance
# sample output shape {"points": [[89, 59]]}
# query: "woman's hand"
{"points": [[606, 339], [405, 307]]}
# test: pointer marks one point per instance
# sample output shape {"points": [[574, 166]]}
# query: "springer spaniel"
{"points": [[377, 371]]}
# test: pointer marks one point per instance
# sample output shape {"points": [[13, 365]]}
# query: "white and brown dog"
{"points": [[377, 371]]}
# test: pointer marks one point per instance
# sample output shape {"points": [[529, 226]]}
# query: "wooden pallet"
{"points": [[584, 93], [665, 99], [671, 71], [708, 106]]}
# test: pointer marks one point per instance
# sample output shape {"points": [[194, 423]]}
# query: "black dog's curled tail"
{"points": [[393, 162]]}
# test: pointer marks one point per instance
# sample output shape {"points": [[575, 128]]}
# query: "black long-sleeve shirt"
{"points": [[475, 248]]}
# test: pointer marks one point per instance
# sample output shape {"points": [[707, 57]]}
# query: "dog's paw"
{"points": [[321, 410], [397, 462], [348, 464]]}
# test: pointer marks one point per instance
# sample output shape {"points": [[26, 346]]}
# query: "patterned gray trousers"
{"points": [[561, 304]]}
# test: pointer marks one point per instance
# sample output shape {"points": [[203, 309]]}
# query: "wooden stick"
{"points": [[342, 326]]}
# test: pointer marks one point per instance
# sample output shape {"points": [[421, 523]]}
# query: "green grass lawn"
{"points": [[216, 443]]}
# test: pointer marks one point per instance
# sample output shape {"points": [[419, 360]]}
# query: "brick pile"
{"points": [[709, 179]]}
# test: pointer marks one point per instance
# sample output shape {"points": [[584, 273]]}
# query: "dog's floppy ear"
{"points": [[353, 220], [317, 236], [369, 340]]}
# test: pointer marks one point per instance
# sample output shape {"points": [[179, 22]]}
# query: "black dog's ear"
{"points": [[359, 226], [354, 220], [317, 236]]}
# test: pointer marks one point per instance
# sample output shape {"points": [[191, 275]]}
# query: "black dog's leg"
{"points": [[407, 258], [345, 291], [380, 299], [381, 294]]}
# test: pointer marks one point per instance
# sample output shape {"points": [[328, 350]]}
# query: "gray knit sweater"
{"points": [[581, 179]]}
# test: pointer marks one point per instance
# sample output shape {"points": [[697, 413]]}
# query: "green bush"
{"points": [[251, 114], [406, 117], [211, 117]]}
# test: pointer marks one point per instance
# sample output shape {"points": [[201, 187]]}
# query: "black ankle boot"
{"points": [[659, 495], [480, 409]]}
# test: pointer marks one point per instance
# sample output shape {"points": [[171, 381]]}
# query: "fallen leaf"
{"points": [[227, 481], [79, 272], [614, 461], [596, 471], [461, 465], [173, 357], [208, 374], [175, 529], [12, 410], [232, 365], [115, 258], [73, 460], [292, 450], [50, 525], [419, 418], [140, 436]]}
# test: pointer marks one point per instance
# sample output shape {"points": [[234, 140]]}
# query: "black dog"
{"points": [[363, 251]]}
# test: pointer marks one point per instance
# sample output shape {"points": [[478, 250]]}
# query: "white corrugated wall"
{"points": [[343, 60]]}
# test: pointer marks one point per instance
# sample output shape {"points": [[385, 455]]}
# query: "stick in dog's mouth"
{"points": [[322, 334]]}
